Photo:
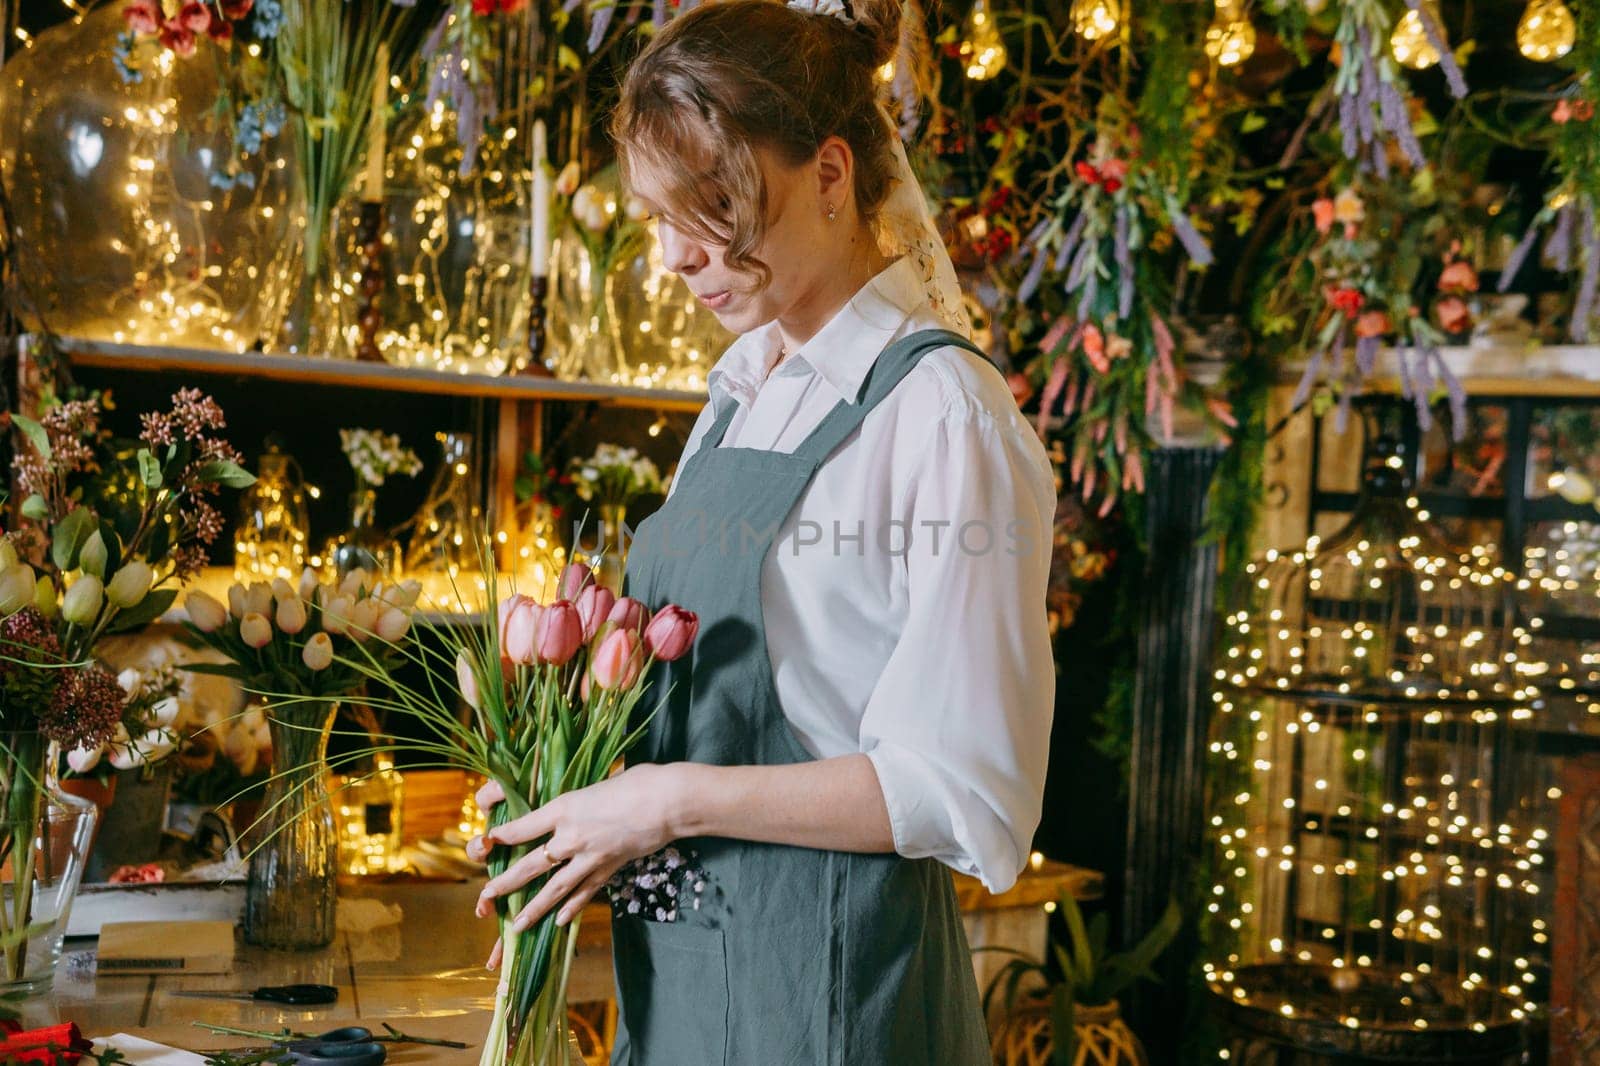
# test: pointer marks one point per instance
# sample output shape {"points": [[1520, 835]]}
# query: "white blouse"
{"points": [[905, 596]]}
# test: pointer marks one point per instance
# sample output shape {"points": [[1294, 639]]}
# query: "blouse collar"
{"points": [[842, 351]]}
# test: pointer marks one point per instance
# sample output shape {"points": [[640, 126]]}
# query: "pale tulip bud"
{"points": [[81, 759], [616, 661], [205, 612], [363, 619], [393, 624], [574, 578], [291, 613], [93, 556], [44, 597], [560, 633], [318, 652], [165, 711], [238, 604], [567, 181], [282, 590], [336, 615], [8, 554], [308, 583], [82, 603], [468, 680], [354, 582], [258, 599], [628, 613], [594, 607], [17, 589], [504, 611], [405, 595], [130, 585], [255, 630], [521, 643], [671, 632]]}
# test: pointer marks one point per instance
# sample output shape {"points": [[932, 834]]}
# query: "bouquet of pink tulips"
{"points": [[552, 688]]}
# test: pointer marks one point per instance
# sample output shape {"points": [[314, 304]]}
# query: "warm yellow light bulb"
{"points": [[1094, 19], [1547, 30], [1231, 39], [1410, 44], [983, 53], [886, 72]]}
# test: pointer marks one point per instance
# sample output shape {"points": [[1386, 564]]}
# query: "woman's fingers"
{"points": [[496, 954], [560, 885], [490, 794], [530, 826], [580, 898], [517, 874], [478, 849]]}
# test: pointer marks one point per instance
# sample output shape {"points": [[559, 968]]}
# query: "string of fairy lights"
{"points": [[1380, 814]]}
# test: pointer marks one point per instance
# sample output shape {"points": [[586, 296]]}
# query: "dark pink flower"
{"points": [[142, 16]]}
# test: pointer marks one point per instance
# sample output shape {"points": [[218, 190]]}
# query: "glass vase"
{"points": [[364, 545], [446, 532], [274, 524], [143, 223], [582, 343], [530, 1026], [455, 252], [292, 895], [371, 809], [45, 837]]}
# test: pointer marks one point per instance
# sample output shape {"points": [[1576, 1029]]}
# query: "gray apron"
{"points": [[786, 955]]}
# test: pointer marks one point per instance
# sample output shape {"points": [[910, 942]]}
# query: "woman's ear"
{"points": [[835, 173]]}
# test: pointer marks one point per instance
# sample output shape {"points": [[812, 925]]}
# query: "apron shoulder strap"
{"points": [[892, 365]]}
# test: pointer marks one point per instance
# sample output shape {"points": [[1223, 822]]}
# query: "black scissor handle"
{"points": [[297, 995]]}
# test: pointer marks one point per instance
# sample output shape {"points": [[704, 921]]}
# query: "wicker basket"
{"points": [[1024, 1038]]}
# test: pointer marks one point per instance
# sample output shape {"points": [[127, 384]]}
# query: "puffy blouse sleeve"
{"points": [[958, 727]]}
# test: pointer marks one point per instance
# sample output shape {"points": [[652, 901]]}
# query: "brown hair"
{"points": [[733, 76]]}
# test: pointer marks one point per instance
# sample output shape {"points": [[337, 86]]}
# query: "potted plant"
{"points": [[1074, 1019]]}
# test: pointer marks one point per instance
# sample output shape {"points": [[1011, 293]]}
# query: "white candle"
{"points": [[377, 132], [539, 240]]}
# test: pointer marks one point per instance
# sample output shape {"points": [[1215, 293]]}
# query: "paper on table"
{"points": [[140, 1052]]}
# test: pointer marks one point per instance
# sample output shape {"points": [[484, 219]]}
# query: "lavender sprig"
{"points": [[1447, 60]]}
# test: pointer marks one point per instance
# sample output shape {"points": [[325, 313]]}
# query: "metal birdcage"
{"points": [[1378, 812]]}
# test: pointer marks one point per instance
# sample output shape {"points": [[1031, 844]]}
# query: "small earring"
{"points": [[831, 213]]}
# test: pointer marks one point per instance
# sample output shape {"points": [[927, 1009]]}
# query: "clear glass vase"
{"points": [[662, 336], [604, 549], [45, 837], [582, 343], [143, 224], [275, 522], [364, 545], [292, 896], [446, 532]]}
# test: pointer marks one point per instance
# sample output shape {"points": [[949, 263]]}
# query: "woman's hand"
{"points": [[589, 835]]}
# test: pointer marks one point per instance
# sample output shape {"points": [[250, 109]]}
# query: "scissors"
{"points": [[351, 1046], [293, 995]]}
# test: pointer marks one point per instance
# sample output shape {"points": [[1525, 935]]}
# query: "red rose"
{"points": [[1087, 172], [483, 7], [221, 31], [237, 9], [511, 7], [142, 16], [1458, 277], [1114, 169], [1454, 314], [1347, 300], [195, 17], [1373, 324], [1111, 185], [178, 39]]}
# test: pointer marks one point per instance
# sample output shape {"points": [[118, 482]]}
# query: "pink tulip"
{"points": [[560, 633], [616, 661], [671, 632], [255, 630], [574, 579], [521, 641], [594, 607], [468, 680], [508, 605], [628, 613], [194, 16]]}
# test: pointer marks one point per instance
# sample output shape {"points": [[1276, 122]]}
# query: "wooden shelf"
{"points": [[347, 373], [1557, 371]]}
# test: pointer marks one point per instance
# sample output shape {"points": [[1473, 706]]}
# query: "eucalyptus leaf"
{"points": [[150, 608], [226, 473], [149, 469], [35, 434], [67, 539], [35, 508]]}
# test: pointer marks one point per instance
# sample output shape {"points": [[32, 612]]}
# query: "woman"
{"points": [[862, 522]]}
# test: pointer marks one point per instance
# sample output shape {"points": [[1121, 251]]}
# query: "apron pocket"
{"points": [[672, 981]]}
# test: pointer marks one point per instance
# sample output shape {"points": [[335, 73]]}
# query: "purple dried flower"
{"points": [[1124, 259], [600, 21], [1199, 251], [1308, 380], [1070, 242], [1519, 255], [1559, 247], [86, 709], [1583, 304], [1447, 60], [1397, 118], [1030, 281], [1367, 354]]}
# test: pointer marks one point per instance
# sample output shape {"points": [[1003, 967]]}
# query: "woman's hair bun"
{"points": [[879, 22]]}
